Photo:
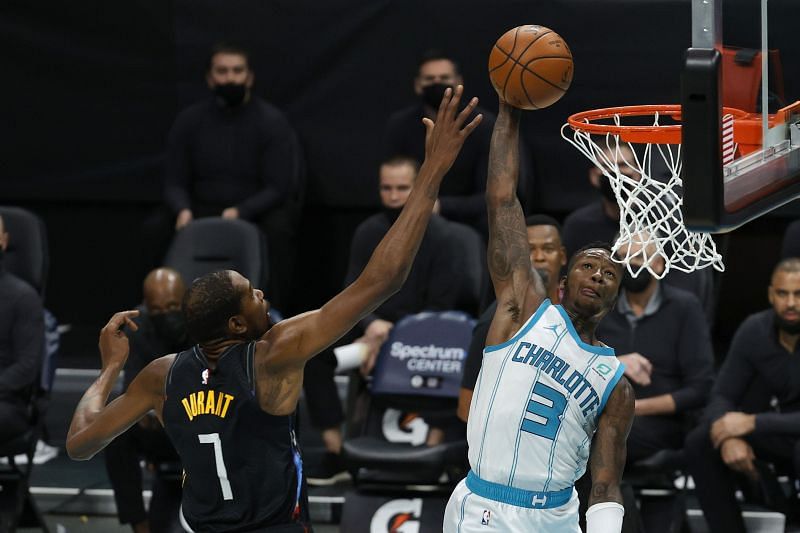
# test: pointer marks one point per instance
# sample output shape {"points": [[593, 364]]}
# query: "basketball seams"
{"points": [[508, 54], [549, 80], [517, 63], [525, 89]]}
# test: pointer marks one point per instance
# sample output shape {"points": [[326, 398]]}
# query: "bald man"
{"points": [[21, 346], [659, 332], [162, 330]]}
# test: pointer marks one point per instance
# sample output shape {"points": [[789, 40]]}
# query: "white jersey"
{"points": [[536, 404]]}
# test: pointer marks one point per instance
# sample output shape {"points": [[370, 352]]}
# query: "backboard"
{"points": [[732, 175]]}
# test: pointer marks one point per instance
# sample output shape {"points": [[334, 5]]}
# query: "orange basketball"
{"points": [[530, 67]]}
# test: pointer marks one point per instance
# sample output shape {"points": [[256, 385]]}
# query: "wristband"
{"points": [[605, 517]]}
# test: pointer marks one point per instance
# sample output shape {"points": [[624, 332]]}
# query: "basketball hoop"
{"points": [[625, 139]]}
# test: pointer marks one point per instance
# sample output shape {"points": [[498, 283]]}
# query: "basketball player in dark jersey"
{"points": [[227, 403]]}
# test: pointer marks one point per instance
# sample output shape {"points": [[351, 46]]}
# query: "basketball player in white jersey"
{"points": [[550, 396]]}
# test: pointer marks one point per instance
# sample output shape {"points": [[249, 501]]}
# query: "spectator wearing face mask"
{"points": [[461, 195], [162, 330], [659, 333], [232, 155]]}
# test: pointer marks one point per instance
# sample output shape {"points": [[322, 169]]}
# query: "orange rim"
{"points": [[670, 134]]}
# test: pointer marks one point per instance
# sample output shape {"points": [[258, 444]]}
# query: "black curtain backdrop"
{"points": [[90, 89]]}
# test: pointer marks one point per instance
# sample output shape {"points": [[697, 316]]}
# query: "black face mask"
{"points": [[792, 328], [171, 328], [231, 94], [432, 94], [637, 284]]}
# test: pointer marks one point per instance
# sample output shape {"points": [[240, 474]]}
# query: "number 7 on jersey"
{"points": [[222, 472]]}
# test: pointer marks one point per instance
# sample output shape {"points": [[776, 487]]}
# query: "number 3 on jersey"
{"points": [[222, 472], [546, 405]]}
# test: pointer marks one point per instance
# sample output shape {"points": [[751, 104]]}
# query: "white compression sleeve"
{"points": [[605, 517]]}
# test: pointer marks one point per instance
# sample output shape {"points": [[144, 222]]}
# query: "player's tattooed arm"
{"points": [[508, 254], [607, 460]]}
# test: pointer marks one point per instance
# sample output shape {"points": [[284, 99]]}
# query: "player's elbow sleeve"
{"points": [[604, 517]]}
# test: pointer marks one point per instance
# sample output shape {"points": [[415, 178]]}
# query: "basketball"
{"points": [[530, 67]]}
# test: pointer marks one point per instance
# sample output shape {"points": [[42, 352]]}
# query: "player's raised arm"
{"points": [[94, 423], [516, 286], [294, 341], [607, 461]]}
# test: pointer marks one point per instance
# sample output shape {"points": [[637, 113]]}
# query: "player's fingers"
{"points": [[469, 128], [448, 93], [452, 107], [131, 324], [118, 319], [466, 112], [429, 125]]}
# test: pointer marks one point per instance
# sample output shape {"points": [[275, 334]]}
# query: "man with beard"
{"points": [[161, 329], [434, 284], [232, 155], [228, 403], [548, 257], [741, 431], [660, 334], [461, 197]]}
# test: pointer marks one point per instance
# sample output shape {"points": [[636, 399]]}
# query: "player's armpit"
{"points": [[607, 460], [95, 424]]}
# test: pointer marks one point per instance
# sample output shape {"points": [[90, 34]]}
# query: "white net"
{"points": [[651, 222]]}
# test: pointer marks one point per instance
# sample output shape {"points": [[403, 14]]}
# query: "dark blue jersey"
{"points": [[242, 467]]}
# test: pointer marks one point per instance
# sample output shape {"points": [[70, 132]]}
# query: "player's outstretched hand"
{"points": [[113, 341], [445, 137]]}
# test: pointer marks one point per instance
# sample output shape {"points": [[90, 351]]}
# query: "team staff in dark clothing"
{"points": [[227, 404], [661, 335], [235, 156], [461, 197], [740, 428], [548, 257], [434, 284], [21, 346], [161, 330]]}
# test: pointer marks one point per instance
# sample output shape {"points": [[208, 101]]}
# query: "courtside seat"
{"points": [[209, 244], [412, 401]]}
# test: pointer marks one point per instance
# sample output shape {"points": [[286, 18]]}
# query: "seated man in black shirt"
{"points": [[162, 330], [461, 197], [235, 156], [599, 221], [740, 430], [434, 284], [21, 347], [659, 332], [548, 257]]}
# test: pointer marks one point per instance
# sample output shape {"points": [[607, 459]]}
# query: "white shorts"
{"points": [[469, 513]]}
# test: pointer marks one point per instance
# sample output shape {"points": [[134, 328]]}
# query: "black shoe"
{"points": [[328, 471]]}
